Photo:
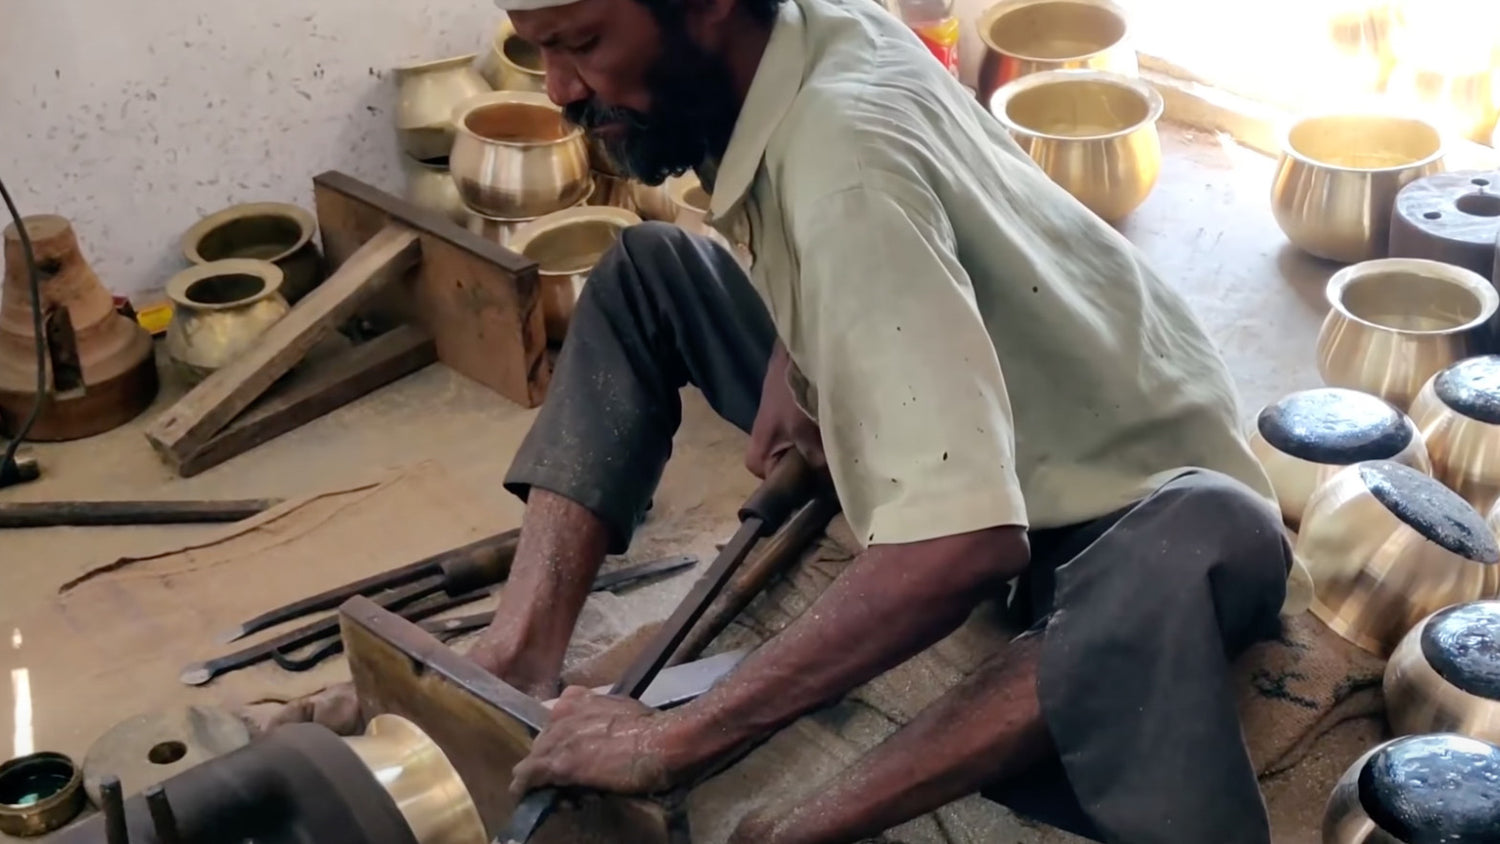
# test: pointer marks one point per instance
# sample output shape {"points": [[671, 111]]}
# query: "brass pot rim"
{"points": [[1474, 283], [996, 11], [1287, 149], [677, 190], [301, 216], [531, 230], [506, 32], [587, 195], [494, 99], [425, 163], [1155, 104], [267, 272], [23, 817], [429, 65]]}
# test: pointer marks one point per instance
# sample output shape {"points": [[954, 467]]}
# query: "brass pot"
{"points": [[1306, 437], [516, 157], [690, 203], [1446, 71], [219, 310], [612, 191], [1386, 546], [501, 229], [1444, 677], [566, 245], [39, 793], [424, 785], [512, 63], [426, 94], [1442, 785], [1393, 323], [430, 185], [1092, 132], [264, 231], [1022, 37], [1338, 175], [653, 202], [1458, 412]]}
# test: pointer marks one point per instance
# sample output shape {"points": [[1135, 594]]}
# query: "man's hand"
{"points": [[611, 744], [781, 424], [496, 653]]}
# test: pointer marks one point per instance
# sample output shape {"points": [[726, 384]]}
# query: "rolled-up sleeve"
{"points": [[908, 392]]}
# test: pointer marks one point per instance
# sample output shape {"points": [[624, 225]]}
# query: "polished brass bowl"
{"points": [[1458, 412], [1440, 787], [653, 202], [1393, 323], [424, 785], [1387, 546], [426, 94], [429, 184], [1338, 176], [502, 229], [1307, 437], [219, 310], [612, 191], [1022, 37], [516, 157], [278, 232], [689, 203], [1093, 132], [566, 245], [39, 793], [512, 63], [1444, 677]]}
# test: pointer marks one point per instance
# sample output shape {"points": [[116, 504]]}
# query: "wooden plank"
{"points": [[190, 423], [480, 301], [317, 390]]}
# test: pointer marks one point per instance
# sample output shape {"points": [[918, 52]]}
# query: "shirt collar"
{"points": [[776, 83]]}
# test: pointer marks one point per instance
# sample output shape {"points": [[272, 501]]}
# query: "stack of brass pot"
{"points": [[566, 246], [426, 95]]}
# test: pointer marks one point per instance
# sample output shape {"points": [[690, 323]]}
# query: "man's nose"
{"points": [[564, 85]]}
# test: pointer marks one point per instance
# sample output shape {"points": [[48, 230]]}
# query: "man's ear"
{"points": [[707, 19]]}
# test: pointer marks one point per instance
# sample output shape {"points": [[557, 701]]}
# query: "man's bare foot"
{"points": [[335, 707]]}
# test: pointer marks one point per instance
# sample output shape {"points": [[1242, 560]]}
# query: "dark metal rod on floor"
{"points": [[162, 817], [39, 514], [112, 803]]}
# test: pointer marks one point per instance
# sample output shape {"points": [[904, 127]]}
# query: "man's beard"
{"points": [[692, 115]]}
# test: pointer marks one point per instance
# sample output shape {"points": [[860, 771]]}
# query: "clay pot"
{"points": [[219, 310], [264, 231]]}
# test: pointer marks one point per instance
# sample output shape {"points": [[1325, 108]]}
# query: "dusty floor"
{"points": [[1207, 227]]}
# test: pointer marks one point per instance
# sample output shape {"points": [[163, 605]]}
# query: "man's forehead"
{"points": [[542, 20]]}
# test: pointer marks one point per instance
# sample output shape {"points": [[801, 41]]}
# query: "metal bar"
{"points": [[112, 803]]}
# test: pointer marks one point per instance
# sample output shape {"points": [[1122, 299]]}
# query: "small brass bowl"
{"points": [[39, 793], [1092, 132], [566, 245], [1393, 323], [653, 202], [426, 94], [1441, 787], [689, 203], [278, 232], [1458, 412], [516, 157], [1306, 437], [1338, 176], [1444, 677], [1022, 37], [512, 63], [1386, 546]]}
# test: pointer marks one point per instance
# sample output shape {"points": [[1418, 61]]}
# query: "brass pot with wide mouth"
{"points": [[516, 157], [1092, 132], [511, 63], [1438, 787], [1458, 412], [1386, 546], [653, 202], [690, 203], [1338, 175], [1444, 677], [426, 94], [566, 246], [429, 184], [278, 232], [39, 793], [1393, 323], [1022, 37], [1307, 437], [219, 310]]}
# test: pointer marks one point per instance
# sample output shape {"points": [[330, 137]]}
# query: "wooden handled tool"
{"points": [[37, 514]]}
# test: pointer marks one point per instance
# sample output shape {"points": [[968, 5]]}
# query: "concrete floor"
{"points": [[1208, 228]]}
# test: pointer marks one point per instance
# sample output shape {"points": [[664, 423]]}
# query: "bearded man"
{"points": [[997, 383]]}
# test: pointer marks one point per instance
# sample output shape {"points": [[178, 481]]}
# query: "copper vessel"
{"points": [[429, 184], [1458, 412], [1386, 546], [1092, 132], [100, 366], [417, 775], [279, 232], [1021, 37], [1443, 786], [1308, 436], [515, 156], [513, 64], [1338, 176], [426, 94], [1393, 323], [566, 245], [1444, 677], [219, 310]]}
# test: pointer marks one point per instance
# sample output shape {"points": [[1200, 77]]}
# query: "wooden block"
{"points": [[483, 725], [480, 301], [316, 390], [188, 425]]}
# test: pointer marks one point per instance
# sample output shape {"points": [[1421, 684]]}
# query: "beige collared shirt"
{"points": [[978, 349]]}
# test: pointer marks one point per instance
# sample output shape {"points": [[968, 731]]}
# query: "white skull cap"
{"points": [[530, 5]]}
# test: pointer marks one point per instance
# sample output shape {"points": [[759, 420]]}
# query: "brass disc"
{"points": [[157, 746]]}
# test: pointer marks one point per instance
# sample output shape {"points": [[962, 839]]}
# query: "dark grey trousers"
{"points": [[1141, 611]]}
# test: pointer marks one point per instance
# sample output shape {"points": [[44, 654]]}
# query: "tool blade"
{"points": [[233, 635], [631, 575], [195, 674], [529, 816]]}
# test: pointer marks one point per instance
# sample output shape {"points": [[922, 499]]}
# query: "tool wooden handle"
{"points": [[790, 485], [479, 566]]}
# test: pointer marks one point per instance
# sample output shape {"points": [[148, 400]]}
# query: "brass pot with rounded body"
{"points": [[653, 202], [1458, 412], [1444, 677], [417, 775], [1386, 546], [566, 246], [1338, 175], [1307, 437], [516, 157], [502, 230], [1022, 37], [219, 310], [1393, 323], [263, 231], [426, 94], [1092, 132], [430, 185], [1440, 787], [512, 63]]}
